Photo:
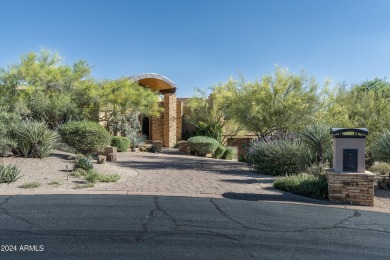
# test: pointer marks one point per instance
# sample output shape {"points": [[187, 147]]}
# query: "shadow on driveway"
{"points": [[250, 181], [183, 162]]}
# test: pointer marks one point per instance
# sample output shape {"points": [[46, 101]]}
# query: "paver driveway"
{"points": [[172, 172]]}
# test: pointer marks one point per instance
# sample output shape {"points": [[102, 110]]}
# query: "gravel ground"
{"points": [[52, 169], [382, 198]]}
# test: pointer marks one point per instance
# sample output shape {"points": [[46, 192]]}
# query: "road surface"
{"points": [[154, 227]]}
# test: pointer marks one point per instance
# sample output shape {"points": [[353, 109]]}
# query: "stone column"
{"points": [[179, 121], [169, 120], [157, 126]]}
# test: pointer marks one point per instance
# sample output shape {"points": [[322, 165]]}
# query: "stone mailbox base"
{"points": [[353, 188]]}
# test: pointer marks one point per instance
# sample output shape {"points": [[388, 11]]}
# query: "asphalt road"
{"points": [[148, 227]]}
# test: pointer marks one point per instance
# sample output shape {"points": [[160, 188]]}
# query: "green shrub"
{"points": [[120, 142], [54, 183], [155, 149], [30, 185], [35, 139], [92, 176], [79, 172], [219, 151], [242, 158], [381, 148], [87, 137], [66, 148], [202, 145], [229, 153], [381, 168], [304, 184], [84, 186], [280, 157], [315, 169], [9, 173], [8, 125], [83, 163], [109, 177]]}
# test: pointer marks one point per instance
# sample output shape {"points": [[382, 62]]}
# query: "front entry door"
{"points": [[145, 127]]}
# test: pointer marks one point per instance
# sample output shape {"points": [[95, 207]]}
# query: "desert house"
{"points": [[171, 126]]}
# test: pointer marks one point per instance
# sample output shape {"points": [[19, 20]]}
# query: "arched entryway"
{"points": [[168, 126]]}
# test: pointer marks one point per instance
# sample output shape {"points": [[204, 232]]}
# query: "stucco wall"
{"points": [[339, 144]]}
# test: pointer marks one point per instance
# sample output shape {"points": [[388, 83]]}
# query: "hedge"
{"points": [[219, 151], [202, 145], [87, 137], [229, 153], [120, 142]]}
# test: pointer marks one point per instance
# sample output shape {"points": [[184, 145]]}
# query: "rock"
{"points": [[101, 159], [157, 146], [110, 153], [184, 147]]}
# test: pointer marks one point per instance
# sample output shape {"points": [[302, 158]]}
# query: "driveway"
{"points": [[175, 173]]}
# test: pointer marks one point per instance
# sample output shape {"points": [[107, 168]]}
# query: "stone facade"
{"points": [[169, 138], [354, 188], [157, 127], [179, 120], [168, 127]]}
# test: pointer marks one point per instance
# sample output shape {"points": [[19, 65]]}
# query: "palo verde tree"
{"points": [[210, 115], [121, 101], [363, 105], [42, 88], [279, 103]]}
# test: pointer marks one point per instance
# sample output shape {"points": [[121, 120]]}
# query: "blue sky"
{"points": [[200, 43]]}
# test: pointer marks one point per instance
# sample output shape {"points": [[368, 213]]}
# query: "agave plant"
{"points": [[318, 138], [381, 148], [36, 140], [136, 139], [9, 173], [83, 163]]}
